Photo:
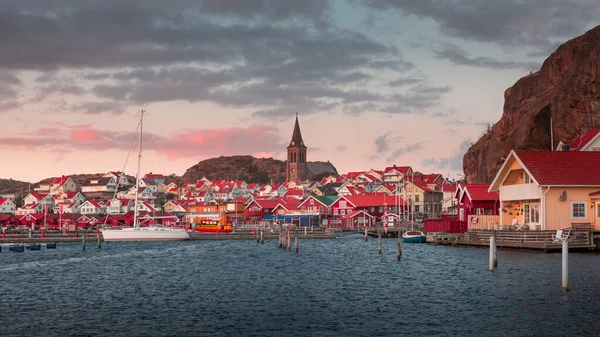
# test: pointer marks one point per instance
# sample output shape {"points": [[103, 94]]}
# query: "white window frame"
{"points": [[584, 203], [597, 210], [527, 178]]}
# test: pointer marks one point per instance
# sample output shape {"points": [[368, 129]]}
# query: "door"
{"points": [[531, 215]]}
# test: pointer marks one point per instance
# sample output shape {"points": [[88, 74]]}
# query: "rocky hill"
{"points": [[247, 168], [12, 186], [566, 89]]}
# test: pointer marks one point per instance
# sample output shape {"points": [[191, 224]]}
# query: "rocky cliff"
{"points": [[566, 91], [250, 169]]}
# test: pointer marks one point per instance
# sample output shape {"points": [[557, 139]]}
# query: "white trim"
{"points": [[586, 145], [585, 211]]}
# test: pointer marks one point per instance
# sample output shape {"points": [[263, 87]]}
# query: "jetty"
{"points": [[524, 240]]}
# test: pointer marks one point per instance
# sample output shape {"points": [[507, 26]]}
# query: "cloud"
{"points": [[534, 23], [270, 57], [404, 150], [341, 148], [456, 55], [256, 139], [453, 162]]}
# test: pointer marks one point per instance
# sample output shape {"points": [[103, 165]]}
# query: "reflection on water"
{"points": [[338, 287]]}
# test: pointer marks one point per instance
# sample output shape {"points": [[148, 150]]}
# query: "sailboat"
{"points": [[138, 233]]}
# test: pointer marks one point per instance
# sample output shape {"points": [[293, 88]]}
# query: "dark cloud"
{"points": [[405, 81], [274, 57], [534, 23], [454, 162], [458, 56], [404, 150], [9, 90]]}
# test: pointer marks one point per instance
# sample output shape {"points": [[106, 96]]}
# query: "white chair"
{"points": [[561, 236]]}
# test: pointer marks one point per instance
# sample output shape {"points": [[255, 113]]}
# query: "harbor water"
{"points": [[333, 287]]}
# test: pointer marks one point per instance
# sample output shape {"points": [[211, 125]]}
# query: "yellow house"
{"points": [[549, 190]]}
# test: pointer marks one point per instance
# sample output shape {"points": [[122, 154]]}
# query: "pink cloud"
{"points": [[263, 141], [85, 135]]}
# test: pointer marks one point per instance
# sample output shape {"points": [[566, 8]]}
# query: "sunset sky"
{"points": [[375, 82]]}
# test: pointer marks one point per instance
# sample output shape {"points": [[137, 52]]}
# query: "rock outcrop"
{"points": [[247, 168], [564, 93]]}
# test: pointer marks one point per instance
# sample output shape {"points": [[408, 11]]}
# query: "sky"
{"points": [[374, 82]]}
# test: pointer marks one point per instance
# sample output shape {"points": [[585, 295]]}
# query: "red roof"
{"points": [[355, 213], [401, 169], [581, 141], [579, 168], [479, 192], [2, 201], [423, 186], [265, 203], [449, 188]]}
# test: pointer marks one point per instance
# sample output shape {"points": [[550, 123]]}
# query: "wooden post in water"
{"points": [[565, 265], [296, 240], [257, 235], [399, 247], [98, 235], [305, 230], [289, 239], [83, 239], [366, 235], [495, 251], [379, 241], [262, 236], [492, 244], [280, 236]]}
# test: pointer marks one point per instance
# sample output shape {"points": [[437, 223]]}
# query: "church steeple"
{"points": [[297, 136], [297, 167]]}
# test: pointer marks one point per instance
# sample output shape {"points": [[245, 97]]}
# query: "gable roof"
{"points": [[581, 141], [297, 136], [374, 200], [558, 168], [479, 192]]}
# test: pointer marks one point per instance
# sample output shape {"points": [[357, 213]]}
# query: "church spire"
{"points": [[297, 136]]}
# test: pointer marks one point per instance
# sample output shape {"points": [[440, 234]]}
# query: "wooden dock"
{"points": [[525, 240]]}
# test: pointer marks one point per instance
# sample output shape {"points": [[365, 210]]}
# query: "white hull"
{"points": [[145, 234]]}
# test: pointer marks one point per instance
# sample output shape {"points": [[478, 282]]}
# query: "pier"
{"points": [[525, 240]]}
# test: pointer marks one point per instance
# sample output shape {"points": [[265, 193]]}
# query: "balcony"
{"points": [[519, 192]]}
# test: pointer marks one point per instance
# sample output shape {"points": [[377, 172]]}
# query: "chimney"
{"points": [[566, 147]]}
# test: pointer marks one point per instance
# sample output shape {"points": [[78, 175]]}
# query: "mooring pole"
{"points": [[289, 239], [565, 265], [296, 240], [262, 236], [98, 236], [399, 247], [366, 235], [492, 253], [379, 241], [495, 251], [83, 239]]}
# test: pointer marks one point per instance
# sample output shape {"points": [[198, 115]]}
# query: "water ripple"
{"points": [[339, 287]]}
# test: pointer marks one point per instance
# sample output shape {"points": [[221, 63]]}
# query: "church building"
{"points": [[297, 167]]}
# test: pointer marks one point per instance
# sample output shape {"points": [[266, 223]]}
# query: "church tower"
{"points": [[297, 169]]}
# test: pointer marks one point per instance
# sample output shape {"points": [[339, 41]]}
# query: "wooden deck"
{"points": [[526, 240]]}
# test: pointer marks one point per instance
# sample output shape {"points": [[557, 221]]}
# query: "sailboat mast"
{"points": [[137, 175]]}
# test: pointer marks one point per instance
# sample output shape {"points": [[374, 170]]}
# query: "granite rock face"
{"points": [[564, 93]]}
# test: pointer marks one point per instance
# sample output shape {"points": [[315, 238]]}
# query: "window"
{"points": [[597, 211], [312, 201], [320, 209], [417, 198], [527, 178], [372, 209], [380, 209], [578, 210], [335, 212], [417, 208]]}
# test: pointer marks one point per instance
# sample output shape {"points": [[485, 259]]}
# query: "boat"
{"points": [[137, 232], [414, 237]]}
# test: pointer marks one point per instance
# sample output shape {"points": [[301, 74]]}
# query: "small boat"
{"points": [[414, 237]]}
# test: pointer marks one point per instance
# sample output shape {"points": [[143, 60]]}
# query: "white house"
{"points": [[107, 184], [7, 206], [38, 198], [29, 209], [119, 177], [92, 207]]}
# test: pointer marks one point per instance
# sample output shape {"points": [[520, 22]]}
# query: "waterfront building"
{"points": [[477, 206], [549, 190]]}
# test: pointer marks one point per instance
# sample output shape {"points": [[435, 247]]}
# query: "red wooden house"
{"points": [[474, 199], [347, 210], [260, 208]]}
